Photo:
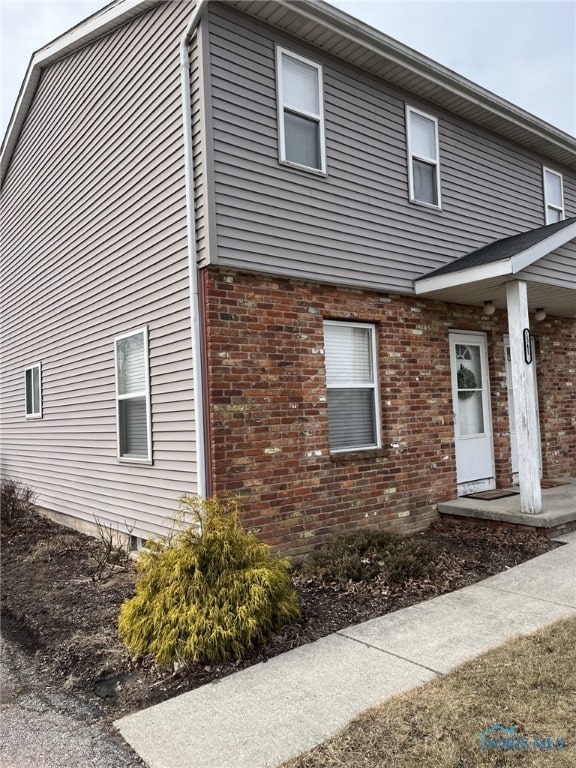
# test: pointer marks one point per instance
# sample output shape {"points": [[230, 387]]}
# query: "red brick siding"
{"points": [[556, 354], [268, 418]]}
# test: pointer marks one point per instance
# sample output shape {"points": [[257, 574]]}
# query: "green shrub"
{"points": [[210, 593], [364, 554], [16, 501]]}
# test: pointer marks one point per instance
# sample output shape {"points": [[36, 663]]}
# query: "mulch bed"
{"points": [[66, 621]]}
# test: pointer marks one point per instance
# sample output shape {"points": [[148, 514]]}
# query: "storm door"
{"points": [[472, 419]]}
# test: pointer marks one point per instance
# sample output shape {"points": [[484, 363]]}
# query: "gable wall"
{"points": [[94, 228], [355, 226]]}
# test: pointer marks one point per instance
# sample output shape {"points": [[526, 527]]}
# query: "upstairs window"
{"points": [[33, 387], [553, 196], [300, 111], [423, 158], [133, 396], [351, 388]]}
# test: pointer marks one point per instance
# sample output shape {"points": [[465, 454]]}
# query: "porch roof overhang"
{"points": [[482, 275]]}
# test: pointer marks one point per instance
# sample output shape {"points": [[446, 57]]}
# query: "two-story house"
{"points": [[264, 249]]}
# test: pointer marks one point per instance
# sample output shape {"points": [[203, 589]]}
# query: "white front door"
{"points": [[511, 417], [472, 419]]}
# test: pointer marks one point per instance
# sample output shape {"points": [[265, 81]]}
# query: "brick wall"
{"points": [[556, 353], [267, 401]]}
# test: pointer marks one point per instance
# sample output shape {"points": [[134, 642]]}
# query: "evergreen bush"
{"points": [[365, 553], [210, 593]]}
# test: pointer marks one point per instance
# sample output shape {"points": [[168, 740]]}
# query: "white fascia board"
{"points": [[507, 266], [95, 26], [543, 248], [463, 276]]}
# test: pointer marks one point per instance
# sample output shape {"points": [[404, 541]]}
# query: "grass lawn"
{"points": [[528, 683]]}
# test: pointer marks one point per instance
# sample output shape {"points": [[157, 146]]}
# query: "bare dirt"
{"points": [[65, 619]]}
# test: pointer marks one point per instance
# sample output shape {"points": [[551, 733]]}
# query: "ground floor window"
{"points": [[33, 386], [352, 391], [133, 396]]}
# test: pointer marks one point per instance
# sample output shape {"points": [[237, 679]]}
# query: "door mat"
{"points": [[552, 483], [491, 495]]}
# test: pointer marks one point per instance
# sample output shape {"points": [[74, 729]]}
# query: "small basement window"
{"points": [[33, 387], [133, 396]]}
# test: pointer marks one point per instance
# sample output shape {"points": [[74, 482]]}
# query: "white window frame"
{"points": [[144, 393], [429, 160], [350, 385], [318, 118], [35, 413], [550, 206]]}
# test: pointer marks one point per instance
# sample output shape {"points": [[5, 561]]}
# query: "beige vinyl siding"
{"points": [[94, 228], [355, 226]]}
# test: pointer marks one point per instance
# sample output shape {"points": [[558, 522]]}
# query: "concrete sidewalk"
{"points": [[268, 713]]}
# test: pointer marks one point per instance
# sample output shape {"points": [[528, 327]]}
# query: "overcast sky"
{"points": [[524, 51]]}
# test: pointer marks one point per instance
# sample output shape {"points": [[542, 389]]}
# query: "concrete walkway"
{"points": [[268, 713]]}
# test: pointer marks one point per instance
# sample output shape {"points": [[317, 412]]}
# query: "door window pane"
{"points": [[469, 385], [470, 413]]}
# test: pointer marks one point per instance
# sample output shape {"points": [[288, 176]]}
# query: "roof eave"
{"points": [[510, 265], [529, 130], [93, 27], [498, 113]]}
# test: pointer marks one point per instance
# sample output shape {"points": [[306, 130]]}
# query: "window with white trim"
{"points": [[553, 196], [351, 384], [423, 158], [133, 396], [33, 389], [300, 111]]}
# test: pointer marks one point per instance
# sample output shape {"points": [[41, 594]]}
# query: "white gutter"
{"points": [[197, 361]]}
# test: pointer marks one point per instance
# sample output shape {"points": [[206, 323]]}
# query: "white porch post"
{"points": [[524, 400]]}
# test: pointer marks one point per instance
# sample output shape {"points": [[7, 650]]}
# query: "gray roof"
{"points": [[501, 249]]}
